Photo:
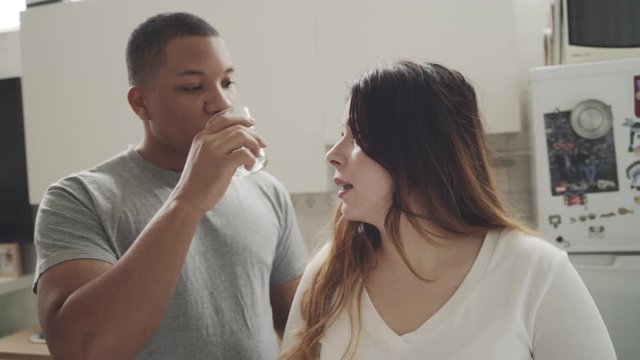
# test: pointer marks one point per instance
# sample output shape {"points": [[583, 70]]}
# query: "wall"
{"points": [[10, 54]]}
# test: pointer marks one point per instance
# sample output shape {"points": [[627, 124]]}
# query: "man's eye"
{"points": [[227, 84], [192, 88]]}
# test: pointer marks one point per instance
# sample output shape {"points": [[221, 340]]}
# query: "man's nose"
{"points": [[216, 101]]}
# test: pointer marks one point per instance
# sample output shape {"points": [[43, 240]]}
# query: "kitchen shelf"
{"points": [[8, 285]]}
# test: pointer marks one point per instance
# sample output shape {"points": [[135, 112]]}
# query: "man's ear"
{"points": [[135, 96]]}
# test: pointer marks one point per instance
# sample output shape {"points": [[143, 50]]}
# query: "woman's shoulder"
{"points": [[525, 250], [314, 265], [519, 241], [319, 258]]}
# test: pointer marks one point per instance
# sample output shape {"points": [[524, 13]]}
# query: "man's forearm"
{"points": [[114, 315]]}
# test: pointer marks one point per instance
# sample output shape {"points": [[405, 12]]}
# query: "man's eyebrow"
{"points": [[187, 72], [190, 72]]}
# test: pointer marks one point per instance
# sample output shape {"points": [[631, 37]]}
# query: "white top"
{"points": [[522, 299]]}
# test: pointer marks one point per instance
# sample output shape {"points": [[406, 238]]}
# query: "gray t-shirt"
{"points": [[247, 243]]}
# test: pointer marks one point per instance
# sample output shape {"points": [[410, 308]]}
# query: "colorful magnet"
{"points": [[555, 220], [634, 135], [624, 211], [636, 93], [562, 242], [633, 174], [596, 232], [572, 198]]}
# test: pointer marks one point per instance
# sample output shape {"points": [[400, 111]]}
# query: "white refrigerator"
{"points": [[586, 168]]}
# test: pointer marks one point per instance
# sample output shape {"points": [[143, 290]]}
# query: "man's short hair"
{"points": [[145, 49]]}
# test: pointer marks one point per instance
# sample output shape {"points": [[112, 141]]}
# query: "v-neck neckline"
{"points": [[375, 324]]}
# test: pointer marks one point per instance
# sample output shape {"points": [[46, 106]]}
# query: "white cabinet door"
{"points": [[475, 37], [75, 82]]}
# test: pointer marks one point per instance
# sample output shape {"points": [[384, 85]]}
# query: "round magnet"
{"points": [[591, 119]]}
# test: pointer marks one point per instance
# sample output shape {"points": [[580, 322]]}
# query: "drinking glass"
{"points": [[261, 160]]}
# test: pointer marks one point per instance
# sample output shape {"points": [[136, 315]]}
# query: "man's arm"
{"points": [[281, 298], [92, 310]]}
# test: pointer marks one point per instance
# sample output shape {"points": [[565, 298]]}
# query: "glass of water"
{"points": [[261, 160]]}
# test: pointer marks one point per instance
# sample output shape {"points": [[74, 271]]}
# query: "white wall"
{"points": [[10, 54], [531, 17]]}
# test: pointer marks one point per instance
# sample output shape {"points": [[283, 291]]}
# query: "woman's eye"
{"points": [[350, 139]]}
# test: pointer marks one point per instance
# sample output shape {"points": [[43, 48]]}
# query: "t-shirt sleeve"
{"points": [[291, 253], [568, 324], [67, 227]]}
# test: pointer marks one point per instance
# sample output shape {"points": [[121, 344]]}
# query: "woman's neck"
{"points": [[429, 258]]}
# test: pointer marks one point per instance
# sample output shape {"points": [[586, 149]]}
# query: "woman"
{"points": [[425, 263]]}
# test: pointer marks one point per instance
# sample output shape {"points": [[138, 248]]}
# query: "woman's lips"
{"points": [[344, 186]]}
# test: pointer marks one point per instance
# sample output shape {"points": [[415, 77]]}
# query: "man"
{"points": [[159, 252]]}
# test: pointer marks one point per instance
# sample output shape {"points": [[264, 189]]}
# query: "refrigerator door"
{"points": [[614, 283], [587, 193]]}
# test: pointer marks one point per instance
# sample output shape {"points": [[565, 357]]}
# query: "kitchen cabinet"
{"points": [[75, 82], [476, 38], [294, 59]]}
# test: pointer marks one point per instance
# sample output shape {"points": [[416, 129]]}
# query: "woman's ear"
{"points": [[136, 99]]}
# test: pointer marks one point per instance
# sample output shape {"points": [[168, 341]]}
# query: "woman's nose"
{"points": [[333, 157]]}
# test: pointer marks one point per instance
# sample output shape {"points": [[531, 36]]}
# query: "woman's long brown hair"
{"points": [[422, 124]]}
